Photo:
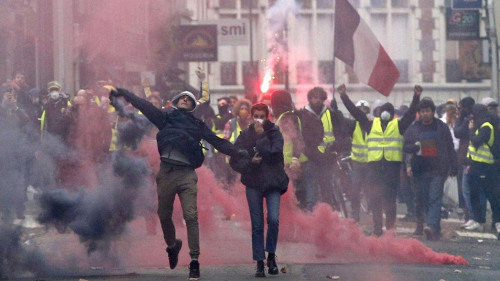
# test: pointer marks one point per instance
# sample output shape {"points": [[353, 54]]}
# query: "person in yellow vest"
{"points": [[481, 167], [54, 118], [385, 153], [291, 128], [319, 169], [232, 130], [359, 157]]}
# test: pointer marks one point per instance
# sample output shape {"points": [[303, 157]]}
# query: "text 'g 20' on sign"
{"points": [[462, 24], [197, 42]]}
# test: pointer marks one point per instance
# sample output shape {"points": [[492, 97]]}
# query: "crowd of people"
{"points": [[408, 153]]}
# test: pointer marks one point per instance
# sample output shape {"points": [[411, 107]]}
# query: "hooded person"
{"points": [[461, 132], [481, 169], [385, 154], [178, 140]]}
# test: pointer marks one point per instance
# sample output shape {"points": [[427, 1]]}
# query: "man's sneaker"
{"points": [[194, 270], [475, 226], [260, 269], [173, 253], [468, 223], [271, 264]]}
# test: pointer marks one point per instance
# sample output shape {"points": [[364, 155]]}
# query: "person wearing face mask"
{"points": [[54, 119], [263, 174], [232, 130], [240, 122], [385, 154], [178, 140]]}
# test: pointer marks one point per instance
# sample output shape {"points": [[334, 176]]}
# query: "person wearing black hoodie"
{"points": [[179, 146], [461, 132], [481, 166], [433, 159], [264, 176], [385, 154]]}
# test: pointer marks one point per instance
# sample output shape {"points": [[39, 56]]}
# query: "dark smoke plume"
{"points": [[131, 131], [101, 215]]}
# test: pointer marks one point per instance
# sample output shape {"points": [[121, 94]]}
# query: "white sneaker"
{"points": [[468, 223], [475, 226]]}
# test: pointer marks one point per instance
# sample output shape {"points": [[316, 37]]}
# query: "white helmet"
{"points": [[363, 103]]}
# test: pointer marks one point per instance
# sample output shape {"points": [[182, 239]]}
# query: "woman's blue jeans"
{"points": [[255, 200]]}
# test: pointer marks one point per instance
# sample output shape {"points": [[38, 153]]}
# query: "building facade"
{"points": [[412, 31]]}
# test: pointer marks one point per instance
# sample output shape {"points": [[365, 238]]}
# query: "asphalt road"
{"points": [[481, 250]]}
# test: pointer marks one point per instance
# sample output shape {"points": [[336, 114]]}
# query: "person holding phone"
{"points": [[263, 174]]}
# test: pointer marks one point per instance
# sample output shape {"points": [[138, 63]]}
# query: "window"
{"points": [[245, 4], [304, 72], [305, 4], [326, 72], [228, 73], [227, 4], [378, 3], [324, 4], [399, 3], [391, 27]]}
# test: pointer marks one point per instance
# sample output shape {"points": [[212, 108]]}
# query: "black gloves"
{"points": [[120, 92]]}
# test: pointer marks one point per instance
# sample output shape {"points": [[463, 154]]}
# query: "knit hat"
{"points": [[175, 100]]}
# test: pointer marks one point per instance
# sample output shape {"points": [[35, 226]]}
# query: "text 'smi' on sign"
{"points": [[233, 32]]}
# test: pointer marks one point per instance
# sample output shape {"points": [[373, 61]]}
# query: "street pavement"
{"points": [[226, 255]]}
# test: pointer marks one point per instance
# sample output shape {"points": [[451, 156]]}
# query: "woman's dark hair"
{"points": [[260, 107]]}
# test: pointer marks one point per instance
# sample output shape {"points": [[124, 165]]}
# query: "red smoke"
{"points": [[320, 236]]}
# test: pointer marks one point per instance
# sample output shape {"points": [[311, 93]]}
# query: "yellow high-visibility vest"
{"points": [[236, 133], [113, 146], [328, 138], [387, 144], [359, 151], [288, 145], [483, 153]]}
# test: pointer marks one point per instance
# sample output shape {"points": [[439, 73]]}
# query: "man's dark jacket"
{"points": [[270, 174], [446, 153], [179, 128]]}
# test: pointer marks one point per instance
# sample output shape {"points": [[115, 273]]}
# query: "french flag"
{"points": [[356, 45]]}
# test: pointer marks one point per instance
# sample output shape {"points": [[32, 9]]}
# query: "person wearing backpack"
{"points": [[433, 159], [179, 145], [481, 168]]}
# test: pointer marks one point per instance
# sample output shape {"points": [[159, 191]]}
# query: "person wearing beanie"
{"points": [[178, 140], [461, 132], [432, 159], [385, 154]]}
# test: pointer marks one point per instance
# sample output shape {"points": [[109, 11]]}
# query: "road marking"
{"points": [[476, 235]]}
